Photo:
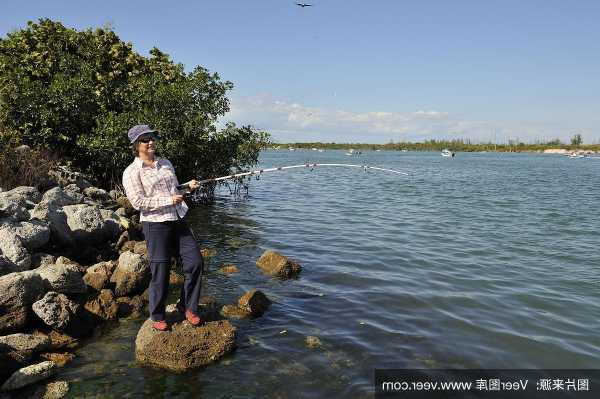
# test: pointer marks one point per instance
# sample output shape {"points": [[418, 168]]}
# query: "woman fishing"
{"points": [[151, 186]]}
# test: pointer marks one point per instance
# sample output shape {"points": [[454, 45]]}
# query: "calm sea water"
{"points": [[481, 261]]}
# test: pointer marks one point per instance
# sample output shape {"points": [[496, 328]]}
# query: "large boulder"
{"points": [[41, 259], [86, 223], [18, 291], [11, 246], [60, 197], [132, 274], [21, 347], [54, 216], [97, 194], [185, 346], [11, 211], [7, 267], [111, 224], [34, 234], [56, 310], [98, 275], [275, 264], [28, 375], [24, 196], [64, 276]]}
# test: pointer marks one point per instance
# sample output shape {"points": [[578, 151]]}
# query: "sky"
{"points": [[373, 71]]}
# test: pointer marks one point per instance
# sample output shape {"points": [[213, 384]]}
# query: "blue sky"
{"points": [[374, 71]]}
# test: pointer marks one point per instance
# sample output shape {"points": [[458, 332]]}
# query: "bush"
{"points": [[25, 167], [77, 93]]}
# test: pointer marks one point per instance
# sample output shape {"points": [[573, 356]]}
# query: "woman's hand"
{"points": [[177, 199], [193, 184]]}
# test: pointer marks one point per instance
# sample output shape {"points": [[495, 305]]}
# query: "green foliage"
{"points": [[78, 92], [576, 139]]}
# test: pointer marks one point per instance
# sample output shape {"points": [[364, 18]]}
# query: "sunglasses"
{"points": [[147, 139]]}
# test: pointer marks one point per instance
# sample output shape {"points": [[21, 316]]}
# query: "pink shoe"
{"points": [[193, 318], [160, 325]]}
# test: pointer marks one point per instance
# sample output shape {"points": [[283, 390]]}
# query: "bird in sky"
{"points": [[303, 5]]}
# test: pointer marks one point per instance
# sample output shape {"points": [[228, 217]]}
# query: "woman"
{"points": [[150, 185]]}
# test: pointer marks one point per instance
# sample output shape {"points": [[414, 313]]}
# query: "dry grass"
{"points": [[25, 167]]}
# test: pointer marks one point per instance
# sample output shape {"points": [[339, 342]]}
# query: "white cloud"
{"points": [[298, 122]]}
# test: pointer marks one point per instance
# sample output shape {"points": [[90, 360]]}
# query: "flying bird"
{"points": [[303, 5]]}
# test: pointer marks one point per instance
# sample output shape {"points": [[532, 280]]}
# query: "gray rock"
{"points": [[53, 215], [60, 197], [24, 196], [56, 310], [131, 275], [17, 292], [28, 375], [11, 211], [97, 194], [11, 246], [185, 346], [34, 234], [22, 347], [275, 264], [111, 225], [41, 259], [64, 276], [86, 223], [6, 266]]}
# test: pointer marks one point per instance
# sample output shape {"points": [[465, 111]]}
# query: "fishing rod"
{"points": [[275, 169]]}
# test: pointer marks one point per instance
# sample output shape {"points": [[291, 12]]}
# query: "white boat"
{"points": [[447, 153], [314, 149], [576, 155], [292, 149], [321, 150], [352, 152]]}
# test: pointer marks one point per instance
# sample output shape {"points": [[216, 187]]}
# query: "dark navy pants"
{"points": [[165, 240]]}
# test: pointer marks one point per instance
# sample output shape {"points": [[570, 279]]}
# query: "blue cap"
{"points": [[135, 132]]}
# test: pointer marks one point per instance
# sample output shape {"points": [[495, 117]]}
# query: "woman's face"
{"points": [[147, 144]]}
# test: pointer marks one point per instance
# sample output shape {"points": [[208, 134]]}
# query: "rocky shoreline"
{"points": [[73, 259]]}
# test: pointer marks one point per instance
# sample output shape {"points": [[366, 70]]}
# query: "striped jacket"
{"points": [[149, 189]]}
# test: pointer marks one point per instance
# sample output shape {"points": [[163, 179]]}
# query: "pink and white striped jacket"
{"points": [[149, 189]]}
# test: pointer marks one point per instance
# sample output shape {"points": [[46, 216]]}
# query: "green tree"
{"points": [[576, 139], [77, 93]]}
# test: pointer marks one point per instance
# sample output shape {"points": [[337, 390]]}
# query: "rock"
{"points": [[275, 264], [175, 278], [140, 248], [98, 275], [41, 259], [228, 269], [11, 211], [111, 224], [234, 312], [64, 277], [123, 238], [113, 194], [26, 196], [53, 215], [59, 197], [126, 205], [34, 234], [312, 342], [130, 306], [86, 223], [97, 194], [128, 246], [11, 246], [28, 375], [254, 302], [131, 275], [208, 252], [7, 267], [60, 340], [17, 292], [103, 306], [56, 310], [51, 390], [22, 347], [184, 347], [60, 359]]}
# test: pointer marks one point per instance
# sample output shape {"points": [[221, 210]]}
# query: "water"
{"points": [[481, 261]]}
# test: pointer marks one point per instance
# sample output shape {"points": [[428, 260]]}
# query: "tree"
{"points": [[576, 139], [77, 93]]}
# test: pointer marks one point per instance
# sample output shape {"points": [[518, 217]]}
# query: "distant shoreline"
{"points": [[455, 146]]}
